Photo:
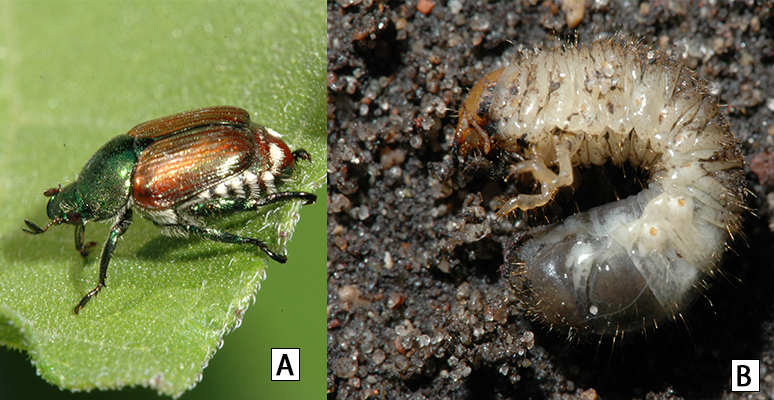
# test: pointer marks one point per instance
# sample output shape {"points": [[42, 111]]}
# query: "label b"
{"points": [[745, 375]]}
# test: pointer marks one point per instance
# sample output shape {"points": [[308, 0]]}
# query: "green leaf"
{"points": [[73, 75]]}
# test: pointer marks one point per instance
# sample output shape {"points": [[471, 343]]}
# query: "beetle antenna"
{"points": [[53, 191], [35, 229]]}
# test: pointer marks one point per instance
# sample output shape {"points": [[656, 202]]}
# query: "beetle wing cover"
{"points": [[188, 120], [177, 168]]}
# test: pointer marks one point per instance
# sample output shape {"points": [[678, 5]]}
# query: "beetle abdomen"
{"points": [[276, 159], [623, 265]]}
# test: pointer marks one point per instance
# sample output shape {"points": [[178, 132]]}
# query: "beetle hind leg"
{"points": [[216, 207], [219, 206], [222, 236], [308, 198], [302, 154]]}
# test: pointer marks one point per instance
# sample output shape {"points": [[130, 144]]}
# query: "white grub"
{"points": [[625, 265]]}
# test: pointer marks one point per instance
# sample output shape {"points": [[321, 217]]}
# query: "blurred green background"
{"points": [[103, 67]]}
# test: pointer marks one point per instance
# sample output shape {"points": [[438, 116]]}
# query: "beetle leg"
{"points": [[549, 180], [302, 154], [308, 198], [221, 206], [80, 231], [225, 237], [118, 229]]}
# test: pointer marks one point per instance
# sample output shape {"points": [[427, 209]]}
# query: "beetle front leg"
{"points": [[80, 231], [118, 229]]}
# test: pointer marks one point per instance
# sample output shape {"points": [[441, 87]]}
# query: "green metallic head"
{"points": [[65, 205], [100, 191]]}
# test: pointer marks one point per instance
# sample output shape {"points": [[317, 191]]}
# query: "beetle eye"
{"points": [[73, 217]]}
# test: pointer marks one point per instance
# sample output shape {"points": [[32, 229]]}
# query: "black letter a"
{"points": [[284, 364]]}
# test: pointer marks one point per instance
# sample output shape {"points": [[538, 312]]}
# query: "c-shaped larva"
{"points": [[623, 266]]}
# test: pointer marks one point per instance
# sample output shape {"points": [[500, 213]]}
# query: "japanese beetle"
{"points": [[174, 170]]}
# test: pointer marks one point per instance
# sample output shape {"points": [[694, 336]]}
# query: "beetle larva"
{"points": [[623, 266]]}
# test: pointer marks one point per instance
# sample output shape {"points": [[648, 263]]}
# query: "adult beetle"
{"points": [[173, 171]]}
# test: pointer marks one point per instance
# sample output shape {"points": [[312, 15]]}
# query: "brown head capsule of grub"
{"points": [[474, 116]]}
